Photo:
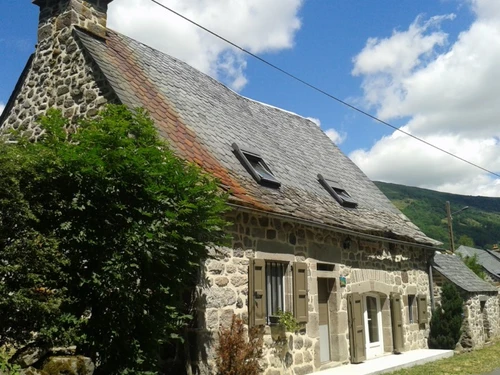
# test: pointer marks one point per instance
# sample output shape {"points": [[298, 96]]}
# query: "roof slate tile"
{"points": [[201, 118], [455, 270]]}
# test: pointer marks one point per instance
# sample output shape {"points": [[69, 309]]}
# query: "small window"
{"points": [[412, 309], [338, 192], [256, 166], [275, 288], [325, 267]]}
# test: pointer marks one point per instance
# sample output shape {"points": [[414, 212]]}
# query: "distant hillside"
{"points": [[426, 208]]}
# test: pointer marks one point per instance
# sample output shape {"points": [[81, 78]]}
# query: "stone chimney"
{"points": [[57, 15]]}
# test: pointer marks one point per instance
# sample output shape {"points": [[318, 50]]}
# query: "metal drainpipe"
{"points": [[431, 286]]}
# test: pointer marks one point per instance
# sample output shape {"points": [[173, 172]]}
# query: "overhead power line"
{"points": [[316, 88]]}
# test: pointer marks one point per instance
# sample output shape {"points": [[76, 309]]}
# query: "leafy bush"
{"points": [[235, 354], [102, 231], [474, 265], [287, 320], [6, 367], [446, 321]]}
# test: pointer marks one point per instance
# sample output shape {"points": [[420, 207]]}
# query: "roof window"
{"points": [[255, 165], [338, 192]]}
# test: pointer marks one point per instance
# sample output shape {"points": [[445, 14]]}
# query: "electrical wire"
{"points": [[315, 88]]}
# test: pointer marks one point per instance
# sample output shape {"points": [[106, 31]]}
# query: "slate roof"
{"points": [[201, 118], [455, 270], [487, 259]]}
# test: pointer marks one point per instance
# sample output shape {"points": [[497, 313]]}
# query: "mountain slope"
{"points": [[426, 208]]}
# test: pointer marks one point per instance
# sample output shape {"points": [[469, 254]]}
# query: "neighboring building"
{"points": [[481, 308], [310, 232], [488, 259]]}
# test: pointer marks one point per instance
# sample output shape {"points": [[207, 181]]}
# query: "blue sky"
{"points": [[396, 59]]}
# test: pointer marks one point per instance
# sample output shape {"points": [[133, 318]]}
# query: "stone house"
{"points": [[488, 259], [481, 304], [311, 234]]}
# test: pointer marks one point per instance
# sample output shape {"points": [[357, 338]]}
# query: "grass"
{"points": [[481, 361]]}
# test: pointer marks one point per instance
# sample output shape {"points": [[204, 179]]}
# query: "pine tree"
{"points": [[446, 321]]}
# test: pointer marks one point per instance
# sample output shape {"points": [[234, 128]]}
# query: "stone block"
{"points": [[215, 267], [239, 280], [226, 317], [221, 297], [313, 326], [298, 359], [71, 365], [269, 246], [27, 356], [303, 370], [298, 342], [212, 319], [221, 281], [231, 268]]}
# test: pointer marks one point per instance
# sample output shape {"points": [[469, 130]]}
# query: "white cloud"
{"points": [[335, 136], [317, 121], [2, 107], [448, 92], [256, 25]]}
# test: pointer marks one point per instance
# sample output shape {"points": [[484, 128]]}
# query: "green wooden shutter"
{"points": [[300, 300], [356, 327], [397, 322], [257, 292], [423, 317]]}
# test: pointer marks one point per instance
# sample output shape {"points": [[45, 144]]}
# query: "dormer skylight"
{"points": [[256, 166], [338, 192]]}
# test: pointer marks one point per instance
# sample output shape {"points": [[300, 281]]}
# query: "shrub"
{"points": [[473, 264], [101, 232], [287, 320], [235, 354], [447, 318]]}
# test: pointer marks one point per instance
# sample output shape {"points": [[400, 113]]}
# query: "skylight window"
{"points": [[256, 166], [338, 192]]}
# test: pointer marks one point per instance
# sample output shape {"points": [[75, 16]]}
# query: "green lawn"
{"points": [[478, 362]]}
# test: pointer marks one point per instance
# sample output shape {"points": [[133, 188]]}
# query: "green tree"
{"points": [[102, 232], [446, 321], [466, 241], [473, 264]]}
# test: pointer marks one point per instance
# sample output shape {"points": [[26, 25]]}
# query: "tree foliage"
{"points": [[466, 241], [426, 208], [101, 232], [446, 321], [473, 264]]}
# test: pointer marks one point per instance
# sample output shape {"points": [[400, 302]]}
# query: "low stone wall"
{"points": [[482, 320], [481, 315], [368, 266]]}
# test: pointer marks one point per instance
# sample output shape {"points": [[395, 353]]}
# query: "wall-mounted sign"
{"points": [[343, 281]]}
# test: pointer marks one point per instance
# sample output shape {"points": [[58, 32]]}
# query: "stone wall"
{"points": [[368, 266], [61, 75], [481, 315], [481, 320]]}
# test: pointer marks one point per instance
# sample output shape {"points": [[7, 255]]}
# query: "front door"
{"points": [[373, 326], [324, 290]]}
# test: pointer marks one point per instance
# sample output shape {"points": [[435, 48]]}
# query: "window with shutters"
{"points": [[269, 283], [275, 288], [412, 309], [422, 309]]}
